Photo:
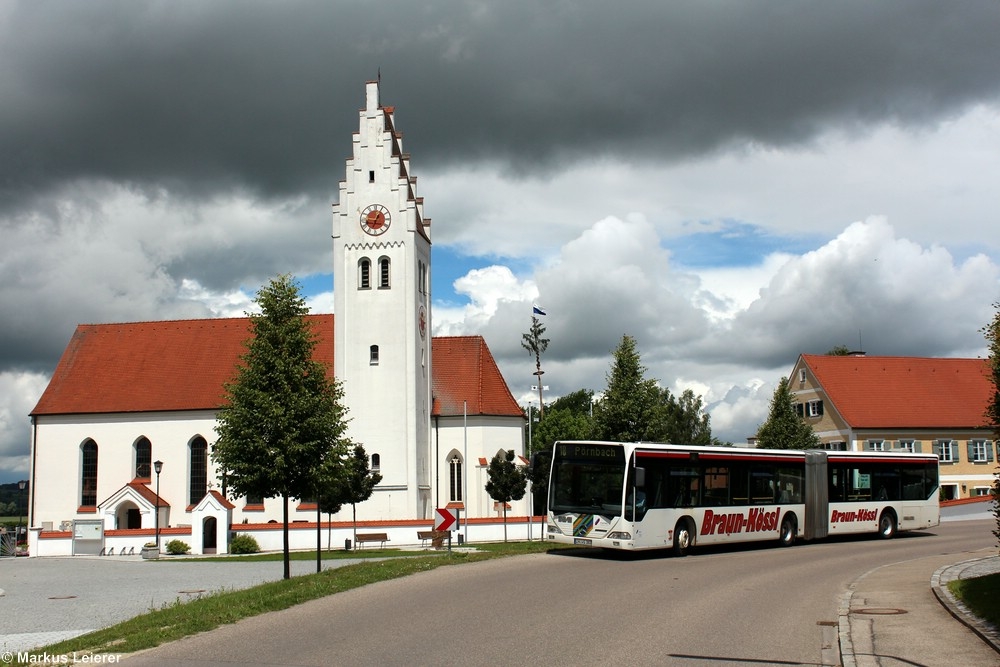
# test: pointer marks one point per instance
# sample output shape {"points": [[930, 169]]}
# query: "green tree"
{"points": [[626, 409], [283, 418], [635, 408], [536, 345], [784, 429], [992, 415], [838, 351], [507, 482], [355, 485]]}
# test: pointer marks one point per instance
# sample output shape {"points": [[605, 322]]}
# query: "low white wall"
{"points": [[302, 536]]}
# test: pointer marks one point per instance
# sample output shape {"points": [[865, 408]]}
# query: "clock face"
{"points": [[375, 219], [422, 322]]}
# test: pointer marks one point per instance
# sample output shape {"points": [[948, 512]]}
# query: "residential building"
{"points": [[858, 402]]}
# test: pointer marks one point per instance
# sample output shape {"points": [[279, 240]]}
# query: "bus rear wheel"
{"points": [[887, 525], [786, 537], [683, 538]]}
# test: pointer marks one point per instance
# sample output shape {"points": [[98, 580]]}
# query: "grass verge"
{"points": [[981, 595], [183, 619]]}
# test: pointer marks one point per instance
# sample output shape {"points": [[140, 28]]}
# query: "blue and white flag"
{"points": [[535, 310]]}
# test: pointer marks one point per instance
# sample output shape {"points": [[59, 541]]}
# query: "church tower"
{"points": [[382, 339]]}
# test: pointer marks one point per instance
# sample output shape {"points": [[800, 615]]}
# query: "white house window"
{"points": [[980, 451], [906, 446], [802, 375], [981, 491], [875, 445], [947, 450], [814, 408]]}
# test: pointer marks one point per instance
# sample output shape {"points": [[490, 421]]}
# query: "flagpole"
{"points": [[465, 453]]}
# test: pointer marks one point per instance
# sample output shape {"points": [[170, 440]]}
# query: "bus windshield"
{"points": [[587, 478]]}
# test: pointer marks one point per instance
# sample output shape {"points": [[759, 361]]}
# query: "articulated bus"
{"points": [[652, 496]]}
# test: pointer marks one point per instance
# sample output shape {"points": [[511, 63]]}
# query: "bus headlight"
{"points": [[620, 535]]}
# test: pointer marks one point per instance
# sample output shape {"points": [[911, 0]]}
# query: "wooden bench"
{"points": [[435, 536], [363, 538]]}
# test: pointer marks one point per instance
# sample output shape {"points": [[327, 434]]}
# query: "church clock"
{"points": [[375, 219]]}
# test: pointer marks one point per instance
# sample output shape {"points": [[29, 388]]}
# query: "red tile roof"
{"points": [[904, 392], [183, 365], [148, 494], [464, 370], [154, 366]]}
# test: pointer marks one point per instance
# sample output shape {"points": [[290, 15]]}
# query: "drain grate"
{"points": [[880, 611], [63, 597]]}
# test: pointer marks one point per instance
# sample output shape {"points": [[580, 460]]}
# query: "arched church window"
{"points": [[143, 457], [373, 358], [365, 273], [88, 474], [455, 478], [376, 462], [199, 470], [383, 273]]}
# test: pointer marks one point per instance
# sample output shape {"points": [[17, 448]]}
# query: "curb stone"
{"points": [[967, 570]]}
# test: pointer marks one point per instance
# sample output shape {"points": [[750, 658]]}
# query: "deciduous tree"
{"points": [[992, 416], [507, 482], [283, 417]]}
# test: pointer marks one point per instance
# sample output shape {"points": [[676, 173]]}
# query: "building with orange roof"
{"points": [[858, 402], [429, 410]]}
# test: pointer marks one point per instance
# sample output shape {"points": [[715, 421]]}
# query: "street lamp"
{"points": [[157, 466], [20, 485]]}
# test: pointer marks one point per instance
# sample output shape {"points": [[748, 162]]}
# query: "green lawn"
{"points": [[183, 619], [981, 595]]}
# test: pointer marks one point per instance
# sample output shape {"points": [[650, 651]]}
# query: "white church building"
{"points": [[126, 399]]}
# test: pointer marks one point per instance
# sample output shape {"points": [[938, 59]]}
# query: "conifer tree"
{"points": [[784, 429], [283, 419]]}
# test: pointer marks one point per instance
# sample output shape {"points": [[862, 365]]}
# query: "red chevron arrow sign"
{"points": [[445, 519]]}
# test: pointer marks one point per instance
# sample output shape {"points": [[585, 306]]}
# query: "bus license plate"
{"points": [[583, 541]]}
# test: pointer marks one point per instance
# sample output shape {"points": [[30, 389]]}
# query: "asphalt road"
{"points": [[737, 606]]}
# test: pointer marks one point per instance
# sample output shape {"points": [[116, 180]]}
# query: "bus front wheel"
{"points": [[887, 525], [786, 537], [682, 538]]}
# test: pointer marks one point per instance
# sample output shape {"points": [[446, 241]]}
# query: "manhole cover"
{"points": [[879, 611], [62, 597]]}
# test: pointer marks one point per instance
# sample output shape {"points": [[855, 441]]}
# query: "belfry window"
{"points": [[383, 273], [365, 273], [373, 355]]}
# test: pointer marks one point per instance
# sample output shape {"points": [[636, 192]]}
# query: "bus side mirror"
{"points": [[640, 478]]}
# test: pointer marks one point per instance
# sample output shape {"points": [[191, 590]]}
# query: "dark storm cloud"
{"points": [[203, 96]]}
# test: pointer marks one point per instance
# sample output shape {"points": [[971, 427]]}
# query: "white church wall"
{"points": [[482, 439], [57, 456]]}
